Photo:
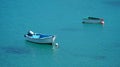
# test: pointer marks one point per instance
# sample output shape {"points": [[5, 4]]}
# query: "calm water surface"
{"points": [[80, 45]]}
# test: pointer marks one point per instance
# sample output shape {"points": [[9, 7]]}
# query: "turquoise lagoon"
{"points": [[80, 45]]}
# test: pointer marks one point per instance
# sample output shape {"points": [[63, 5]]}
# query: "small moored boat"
{"points": [[93, 20], [39, 38]]}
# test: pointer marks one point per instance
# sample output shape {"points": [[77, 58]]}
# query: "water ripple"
{"points": [[113, 3], [15, 50]]}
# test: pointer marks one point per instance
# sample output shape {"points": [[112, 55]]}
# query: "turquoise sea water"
{"points": [[80, 45]]}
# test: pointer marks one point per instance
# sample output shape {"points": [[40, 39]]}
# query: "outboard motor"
{"points": [[30, 33]]}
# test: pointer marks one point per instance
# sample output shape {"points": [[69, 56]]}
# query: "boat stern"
{"points": [[102, 21], [54, 37]]}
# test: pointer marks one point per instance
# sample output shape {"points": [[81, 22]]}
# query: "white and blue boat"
{"points": [[93, 20], [39, 38]]}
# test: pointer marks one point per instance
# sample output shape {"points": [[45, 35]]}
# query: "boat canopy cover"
{"points": [[94, 18], [42, 35]]}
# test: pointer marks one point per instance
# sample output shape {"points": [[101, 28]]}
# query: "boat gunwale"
{"points": [[52, 36]]}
